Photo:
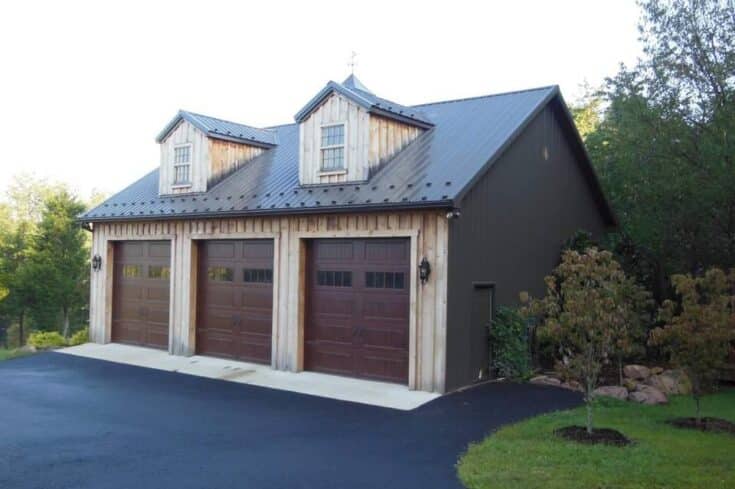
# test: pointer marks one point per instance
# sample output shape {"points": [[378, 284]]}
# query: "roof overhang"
{"points": [[282, 211], [184, 116], [368, 105]]}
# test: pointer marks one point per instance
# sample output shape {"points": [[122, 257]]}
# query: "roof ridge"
{"points": [[225, 120], [499, 94]]}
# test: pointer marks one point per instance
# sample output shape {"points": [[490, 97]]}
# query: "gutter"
{"points": [[281, 211]]}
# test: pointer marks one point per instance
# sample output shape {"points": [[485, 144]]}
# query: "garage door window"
{"points": [[385, 280], [220, 274], [258, 275], [331, 278], [159, 272], [131, 271]]}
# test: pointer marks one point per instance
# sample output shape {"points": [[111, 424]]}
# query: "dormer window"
{"points": [[333, 148], [182, 164]]}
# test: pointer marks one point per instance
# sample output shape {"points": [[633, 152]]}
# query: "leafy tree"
{"points": [[699, 328], [664, 149], [510, 344], [588, 303], [587, 112], [59, 256]]}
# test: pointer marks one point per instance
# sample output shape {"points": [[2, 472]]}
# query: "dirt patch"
{"points": [[603, 436], [712, 425]]}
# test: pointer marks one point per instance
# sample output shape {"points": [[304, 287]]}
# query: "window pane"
{"points": [[329, 278], [258, 275], [333, 159], [132, 271], [159, 271], [333, 135], [385, 280], [182, 154], [181, 173], [222, 274]]}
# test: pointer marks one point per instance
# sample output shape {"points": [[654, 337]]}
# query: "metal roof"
{"points": [[353, 89], [436, 169], [221, 129]]}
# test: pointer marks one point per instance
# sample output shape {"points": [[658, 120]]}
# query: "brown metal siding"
{"points": [[358, 308], [235, 299], [141, 286], [512, 225]]}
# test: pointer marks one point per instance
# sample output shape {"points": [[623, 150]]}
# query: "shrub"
{"points": [[509, 343], [80, 337], [588, 302], [44, 340], [699, 328]]}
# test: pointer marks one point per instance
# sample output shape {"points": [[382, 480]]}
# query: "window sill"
{"points": [[177, 186], [329, 173]]}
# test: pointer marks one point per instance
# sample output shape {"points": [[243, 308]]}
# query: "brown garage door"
{"points": [[141, 287], [235, 299], [358, 308]]}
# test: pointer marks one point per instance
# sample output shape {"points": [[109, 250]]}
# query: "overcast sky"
{"points": [[86, 86]]}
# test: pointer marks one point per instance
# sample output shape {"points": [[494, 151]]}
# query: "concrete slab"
{"points": [[380, 394]]}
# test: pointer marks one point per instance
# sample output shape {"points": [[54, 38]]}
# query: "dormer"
{"points": [[198, 151], [347, 133]]}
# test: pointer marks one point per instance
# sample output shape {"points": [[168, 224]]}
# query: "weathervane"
{"points": [[352, 62]]}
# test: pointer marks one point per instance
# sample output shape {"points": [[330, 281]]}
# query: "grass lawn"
{"points": [[14, 353], [528, 455]]}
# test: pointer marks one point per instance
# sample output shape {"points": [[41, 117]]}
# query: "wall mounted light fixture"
{"points": [[96, 263], [424, 270]]}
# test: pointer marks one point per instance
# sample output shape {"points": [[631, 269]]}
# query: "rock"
{"points": [[572, 385], [681, 382], [630, 384], [639, 372], [546, 380], [646, 394], [656, 370], [28, 349], [664, 383], [611, 391]]}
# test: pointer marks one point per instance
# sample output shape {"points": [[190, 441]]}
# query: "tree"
{"points": [[58, 256], [587, 304], [664, 149], [699, 327]]}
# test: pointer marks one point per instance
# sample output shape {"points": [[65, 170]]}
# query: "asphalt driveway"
{"points": [[72, 422]]}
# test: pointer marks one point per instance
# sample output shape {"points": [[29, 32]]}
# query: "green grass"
{"points": [[14, 353], [527, 455]]}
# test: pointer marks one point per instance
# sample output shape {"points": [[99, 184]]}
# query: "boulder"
{"points": [[638, 372], [546, 380], [656, 370], [572, 385], [28, 349], [646, 394], [664, 383], [611, 391], [680, 381], [630, 384]]}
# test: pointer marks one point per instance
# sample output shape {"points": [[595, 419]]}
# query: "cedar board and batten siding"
{"points": [[369, 141], [428, 231], [211, 159], [513, 224]]}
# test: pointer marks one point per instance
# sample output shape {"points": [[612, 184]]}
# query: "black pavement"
{"points": [[71, 422]]}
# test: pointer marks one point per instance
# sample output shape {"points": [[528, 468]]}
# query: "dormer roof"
{"points": [[353, 89], [222, 129]]}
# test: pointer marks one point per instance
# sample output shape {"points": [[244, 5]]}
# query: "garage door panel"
{"points": [[141, 284], [358, 327], [235, 299]]}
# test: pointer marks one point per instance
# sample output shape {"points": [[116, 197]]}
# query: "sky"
{"points": [[86, 86]]}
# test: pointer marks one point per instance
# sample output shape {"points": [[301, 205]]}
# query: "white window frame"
{"points": [[333, 171], [175, 165]]}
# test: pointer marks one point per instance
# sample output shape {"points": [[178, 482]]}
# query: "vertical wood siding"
{"points": [[185, 132], [226, 157], [369, 141], [429, 238]]}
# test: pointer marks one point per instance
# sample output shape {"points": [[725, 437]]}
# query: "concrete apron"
{"points": [[381, 394]]}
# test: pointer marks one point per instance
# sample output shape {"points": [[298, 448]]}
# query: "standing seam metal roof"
{"points": [[433, 170], [221, 129]]}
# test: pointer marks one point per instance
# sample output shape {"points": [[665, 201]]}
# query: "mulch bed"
{"points": [[712, 425], [603, 436]]}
